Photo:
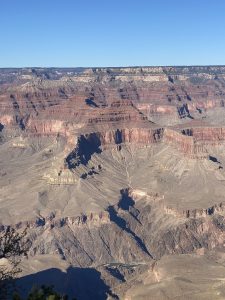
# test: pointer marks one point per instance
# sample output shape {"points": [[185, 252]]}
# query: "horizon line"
{"points": [[114, 67]]}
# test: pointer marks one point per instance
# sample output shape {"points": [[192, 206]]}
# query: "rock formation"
{"points": [[113, 170]]}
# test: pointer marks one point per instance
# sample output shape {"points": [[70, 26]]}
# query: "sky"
{"points": [[96, 33]]}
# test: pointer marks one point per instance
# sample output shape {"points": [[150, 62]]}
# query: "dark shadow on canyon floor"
{"points": [[125, 201], [79, 283]]}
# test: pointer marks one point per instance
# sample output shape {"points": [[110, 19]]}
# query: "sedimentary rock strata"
{"points": [[112, 169]]}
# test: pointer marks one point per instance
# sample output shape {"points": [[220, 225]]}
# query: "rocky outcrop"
{"points": [[89, 144], [154, 90], [195, 141], [184, 143], [211, 135], [98, 236], [197, 213], [93, 219]]}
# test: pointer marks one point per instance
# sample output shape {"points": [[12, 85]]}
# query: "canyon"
{"points": [[118, 174]]}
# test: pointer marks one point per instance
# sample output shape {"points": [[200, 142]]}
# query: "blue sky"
{"points": [[73, 33]]}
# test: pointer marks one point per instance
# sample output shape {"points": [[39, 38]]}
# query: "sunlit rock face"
{"points": [[114, 169]]}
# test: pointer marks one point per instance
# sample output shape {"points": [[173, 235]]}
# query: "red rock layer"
{"points": [[143, 136], [114, 102]]}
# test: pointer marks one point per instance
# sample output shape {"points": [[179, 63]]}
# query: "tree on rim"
{"points": [[13, 246]]}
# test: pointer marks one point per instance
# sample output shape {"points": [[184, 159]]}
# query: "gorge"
{"points": [[118, 174]]}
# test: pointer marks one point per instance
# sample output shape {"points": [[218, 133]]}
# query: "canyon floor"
{"points": [[118, 174]]}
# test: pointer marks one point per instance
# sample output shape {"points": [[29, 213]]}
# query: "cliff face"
{"points": [[207, 134], [155, 91], [89, 100], [184, 143], [135, 135], [194, 143], [96, 237]]}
